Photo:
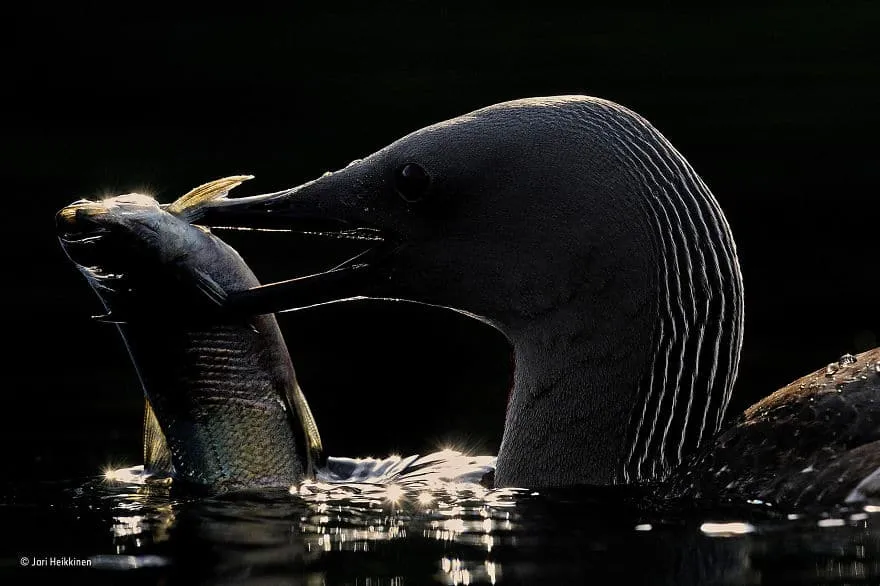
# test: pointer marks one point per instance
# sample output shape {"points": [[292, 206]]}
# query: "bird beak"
{"points": [[281, 210], [306, 212]]}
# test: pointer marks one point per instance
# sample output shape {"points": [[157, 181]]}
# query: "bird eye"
{"points": [[411, 182]]}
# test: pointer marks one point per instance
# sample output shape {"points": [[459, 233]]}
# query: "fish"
{"points": [[223, 408]]}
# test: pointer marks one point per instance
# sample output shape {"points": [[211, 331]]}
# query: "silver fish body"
{"points": [[221, 388]]}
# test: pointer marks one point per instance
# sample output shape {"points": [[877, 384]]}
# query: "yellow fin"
{"points": [[157, 456], [314, 446], [210, 191]]}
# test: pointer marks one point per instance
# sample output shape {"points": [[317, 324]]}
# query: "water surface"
{"points": [[421, 521]]}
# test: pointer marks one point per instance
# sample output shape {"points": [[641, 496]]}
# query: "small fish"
{"points": [[223, 407]]}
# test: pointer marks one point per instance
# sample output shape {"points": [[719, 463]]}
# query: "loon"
{"points": [[573, 226]]}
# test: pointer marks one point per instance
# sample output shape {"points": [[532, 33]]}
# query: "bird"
{"points": [[575, 228]]}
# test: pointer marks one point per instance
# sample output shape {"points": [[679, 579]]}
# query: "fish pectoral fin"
{"points": [[314, 447], [188, 205], [157, 456], [210, 288]]}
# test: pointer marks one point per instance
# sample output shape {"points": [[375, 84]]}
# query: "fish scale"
{"points": [[222, 430]]}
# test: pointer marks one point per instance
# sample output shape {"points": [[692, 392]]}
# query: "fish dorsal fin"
{"points": [[188, 203], [157, 456]]}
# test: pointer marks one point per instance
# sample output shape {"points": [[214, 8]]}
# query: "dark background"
{"points": [[776, 108]]}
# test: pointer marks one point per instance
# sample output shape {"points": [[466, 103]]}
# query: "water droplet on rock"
{"points": [[832, 368]]}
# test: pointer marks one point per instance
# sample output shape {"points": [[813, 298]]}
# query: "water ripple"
{"points": [[419, 520]]}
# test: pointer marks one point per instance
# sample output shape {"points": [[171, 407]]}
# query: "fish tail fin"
{"points": [[189, 206], [157, 456]]}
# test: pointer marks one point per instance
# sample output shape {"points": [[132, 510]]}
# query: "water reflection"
{"points": [[430, 520]]}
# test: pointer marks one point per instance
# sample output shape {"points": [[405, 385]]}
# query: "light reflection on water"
{"points": [[352, 505], [430, 520]]}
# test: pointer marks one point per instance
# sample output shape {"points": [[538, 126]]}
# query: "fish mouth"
{"points": [[82, 236], [79, 221], [85, 240]]}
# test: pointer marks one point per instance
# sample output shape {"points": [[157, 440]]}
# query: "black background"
{"points": [[777, 108]]}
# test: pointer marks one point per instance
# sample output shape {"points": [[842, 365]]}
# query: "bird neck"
{"points": [[628, 378], [570, 406], [697, 327]]}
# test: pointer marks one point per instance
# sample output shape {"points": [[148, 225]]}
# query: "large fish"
{"points": [[223, 407]]}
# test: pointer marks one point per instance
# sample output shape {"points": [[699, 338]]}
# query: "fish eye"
{"points": [[411, 182]]}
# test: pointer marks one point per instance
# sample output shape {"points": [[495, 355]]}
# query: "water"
{"points": [[421, 521]]}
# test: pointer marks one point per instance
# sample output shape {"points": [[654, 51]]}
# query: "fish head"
{"points": [[134, 250], [102, 234]]}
